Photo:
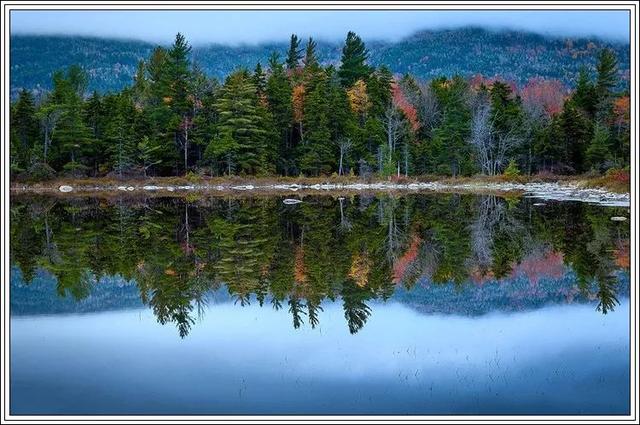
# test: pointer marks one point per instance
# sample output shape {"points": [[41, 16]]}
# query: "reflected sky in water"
{"points": [[554, 360], [417, 305]]}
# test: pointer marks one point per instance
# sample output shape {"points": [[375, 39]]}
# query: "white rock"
{"points": [[618, 218], [171, 188], [122, 188], [151, 187], [290, 201], [130, 188], [65, 188]]}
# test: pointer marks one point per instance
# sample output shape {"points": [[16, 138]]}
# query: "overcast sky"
{"points": [[232, 27]]}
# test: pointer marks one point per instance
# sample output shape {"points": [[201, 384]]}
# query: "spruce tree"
{"points": [[278, 91], [354, 57], [25, 128], [585, 94], [311, 63], [607, 68], [295, 53], [241, 141], [598, 152], [575, 136], [259, 80], [315, 153]]}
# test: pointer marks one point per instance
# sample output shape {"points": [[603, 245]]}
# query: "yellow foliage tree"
{"points": [[358, 98]]}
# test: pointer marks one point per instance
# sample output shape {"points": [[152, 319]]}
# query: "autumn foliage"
{"points": [[358, 98], [298, 102], [402, 103], [543, 265], [549, 95], [360, 268], [401, 265]]}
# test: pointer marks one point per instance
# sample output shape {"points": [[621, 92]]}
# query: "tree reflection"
{"points": [[354, 250]]}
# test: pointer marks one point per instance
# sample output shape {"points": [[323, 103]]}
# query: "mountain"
{"points": [[514, 55]]}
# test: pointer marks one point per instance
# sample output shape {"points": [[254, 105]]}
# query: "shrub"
{"points": [[38, 171], [75, 169], [512, 169], [193, 177]]}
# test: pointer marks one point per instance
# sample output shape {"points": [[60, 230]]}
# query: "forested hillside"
{"points": [[516, 56]]}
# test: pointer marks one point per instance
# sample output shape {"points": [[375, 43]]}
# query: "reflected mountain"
{"points": [[455, 254]]}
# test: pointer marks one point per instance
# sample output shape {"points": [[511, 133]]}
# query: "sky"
{"points": [[252, 27]]}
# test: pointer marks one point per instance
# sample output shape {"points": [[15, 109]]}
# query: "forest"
{"points": [[295, 117]]}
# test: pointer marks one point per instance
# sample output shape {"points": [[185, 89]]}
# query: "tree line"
{"points": [[297, 117]]}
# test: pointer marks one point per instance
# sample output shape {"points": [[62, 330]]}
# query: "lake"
{"points": [[369, 304]]}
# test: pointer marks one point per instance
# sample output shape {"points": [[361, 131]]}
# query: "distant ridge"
{"points": [[514, 55]]}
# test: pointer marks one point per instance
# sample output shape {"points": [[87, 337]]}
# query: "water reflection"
{"points": [[457, 254]]}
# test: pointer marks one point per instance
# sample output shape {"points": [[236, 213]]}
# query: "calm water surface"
{"points": [[422, 304]]}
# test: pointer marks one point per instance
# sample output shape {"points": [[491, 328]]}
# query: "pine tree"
{"points": [[607, 68], [585, 94], [241, 129], [259, 80], [94, 117], [598, 152], [140, 84], [450, 137], [119, 133], [25, 129], [354, 57], [575, 136], [178, 82], [93, 114], [278, 91], [295, 54], [315, 153], [72, 133], [311, 63], [178, 75]]}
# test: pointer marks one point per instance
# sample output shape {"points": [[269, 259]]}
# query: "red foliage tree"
{"points": [[547, 96], [400, 266], [401, 102]]}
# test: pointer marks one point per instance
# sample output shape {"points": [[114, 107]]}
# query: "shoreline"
{"points": [[558, 190]]}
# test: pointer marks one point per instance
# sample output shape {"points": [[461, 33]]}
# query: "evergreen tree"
{"points": [[449, 142], [607, 68], [295, 53], [354, 57], [179, 99], [241, 139], [140, 84], [25, 129], [119, 133], [259, 80], [311, 63], [574, 137], [278, 91], [94, 116], [585, 94], [72, 133], [598, 152], [315, 152]]}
